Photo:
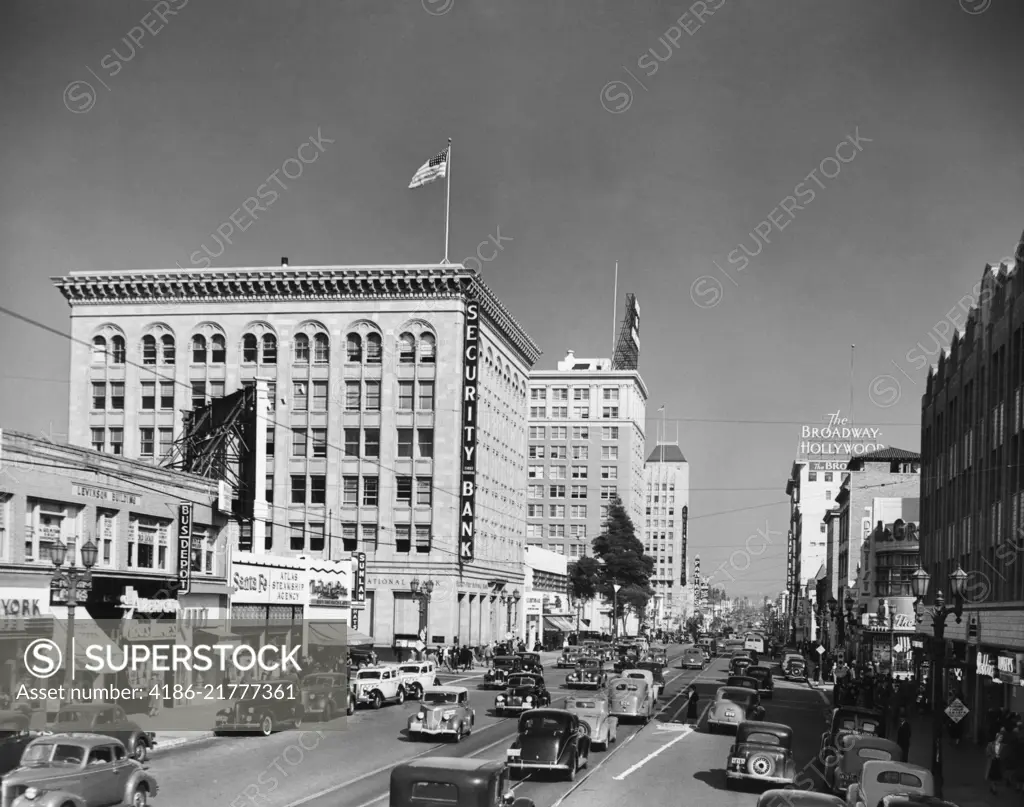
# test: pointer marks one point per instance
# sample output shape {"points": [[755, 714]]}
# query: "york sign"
{"points": [[470, 381]]}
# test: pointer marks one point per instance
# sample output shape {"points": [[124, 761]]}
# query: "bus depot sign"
{"points": [[838, 438]]}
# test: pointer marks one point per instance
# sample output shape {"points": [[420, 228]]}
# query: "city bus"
{"points": [[755, 642]]}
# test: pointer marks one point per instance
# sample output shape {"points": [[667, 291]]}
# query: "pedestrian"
{"points": [[156, 700], [993, 752], [691, 711], [903, 733]]}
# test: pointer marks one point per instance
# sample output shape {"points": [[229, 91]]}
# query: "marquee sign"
{"points": [[184, 548], [470, 382], [359, 589], [839, 438]]}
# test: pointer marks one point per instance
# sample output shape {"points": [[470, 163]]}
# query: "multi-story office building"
{"points": [[586, 446], [390, 389], [972, 506], [667, 492]]}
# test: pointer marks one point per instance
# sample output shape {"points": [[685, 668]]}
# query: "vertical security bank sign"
{"points": [[470, 382], [184, 548]]}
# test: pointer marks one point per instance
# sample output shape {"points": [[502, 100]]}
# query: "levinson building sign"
{"points": [[838, 438], [470, 382]]}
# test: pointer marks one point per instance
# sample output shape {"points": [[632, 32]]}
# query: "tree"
{"points": [[584, 579], [623, 561]]}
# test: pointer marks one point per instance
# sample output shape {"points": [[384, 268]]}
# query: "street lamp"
{"points": [[71, 577], [422, 592], [919, 585], [615, 611]]}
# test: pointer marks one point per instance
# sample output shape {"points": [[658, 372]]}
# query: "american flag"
{"points": [[434, 168]]}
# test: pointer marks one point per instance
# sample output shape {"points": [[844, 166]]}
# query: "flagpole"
{"points": [[448, 200], [615, 295]]}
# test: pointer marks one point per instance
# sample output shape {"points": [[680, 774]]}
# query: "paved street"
{"points": [[350, 767]]}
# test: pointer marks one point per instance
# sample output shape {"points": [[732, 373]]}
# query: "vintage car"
{"points": [[693, 659], [531, 662], [605, 650], [265, 707], [656, 669], [794, 667], [83, 770], [107, 719], [453, 782], [879, 779], [15, 735], [525, 691], [843, 765], [592, 710], [378, 685], [765, 680], [732, 706], [851, 720], [795, 797], [589, 674], [416, 676], [743, 681], [914, 800], [658, 655], [324, 695], [762, 752], [739, 664], [643, 675], [504, 666], [550, 740], [444, 711], [631, 698], [570, 655]]}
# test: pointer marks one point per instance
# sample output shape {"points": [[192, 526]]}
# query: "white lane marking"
{"points": [[597, 767], [682, 736]]}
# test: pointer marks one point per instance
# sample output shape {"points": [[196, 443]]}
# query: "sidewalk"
{"points": [[963, 768], [181, 725]]}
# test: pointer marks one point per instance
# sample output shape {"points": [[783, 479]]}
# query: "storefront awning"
{"points": [[222, 633], [558, 623], [88, 634]]}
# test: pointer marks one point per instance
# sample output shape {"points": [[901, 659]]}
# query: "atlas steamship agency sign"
{"points": [[836, 437]]}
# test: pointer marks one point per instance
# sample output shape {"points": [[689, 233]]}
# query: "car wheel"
{"points": [[376, 700], [350, 709], [267, 726], [761, 765], [139, 750], [400, 698], [140, 796], [415, 692], [458, 735]]}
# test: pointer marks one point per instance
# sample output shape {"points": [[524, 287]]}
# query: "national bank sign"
{"points": [[838, 438]]}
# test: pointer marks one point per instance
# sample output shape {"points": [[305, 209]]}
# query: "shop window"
{"points": [[148, 543]]}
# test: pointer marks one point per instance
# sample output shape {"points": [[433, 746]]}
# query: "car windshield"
{"points": [[505, 662], [585, 704], [543, 724], [440, 697], [373, 675], [622, 686], [744, 697], [757, 672], [410, 668], [52, 753], [522, 681], [589, 662]]}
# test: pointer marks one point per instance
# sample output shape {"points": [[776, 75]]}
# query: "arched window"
{"points": [[354, 348], [406, 349], [427, 348], [374, 349], [218, 350], [250, 349], [269, 348], [118, 352], [167, 349], [99, 350], [199, 349], [149, 349], [302, 348], [321, 349]]}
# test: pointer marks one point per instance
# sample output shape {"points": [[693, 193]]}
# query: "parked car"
{"points": [[843, 765], [453, 782], [765, 680], [525, 691], [259, 710], [324, 695], [743, 681], [530, 662], [739, 663], [84, 770], [879, 778], [378, 685], [107, 719], [763, 752], [443, 712], [550, 740], [693, 659], [796, 797], [914, 800], [570, 655], [15, 735], [592, 710], [504, 666], [732, 706], [851, 720], [631, 698], [656, 669], [416, 676], [589, 674], [794, 667]]}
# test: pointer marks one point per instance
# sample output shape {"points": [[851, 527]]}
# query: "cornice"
{"points": [[296, 283]]}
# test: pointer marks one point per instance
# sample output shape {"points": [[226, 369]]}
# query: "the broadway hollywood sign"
{"points": [[838, 438]]}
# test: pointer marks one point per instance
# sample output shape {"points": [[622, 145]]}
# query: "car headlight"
{"points": [[31, 793], [421, 716], [529, 698], [500, 698], [448, 715]]}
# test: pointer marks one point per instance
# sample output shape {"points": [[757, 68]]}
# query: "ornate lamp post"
{"points": [[516, 596], [422, 592], [71, 577], [939, 612], [615, 611], [833, 609]]}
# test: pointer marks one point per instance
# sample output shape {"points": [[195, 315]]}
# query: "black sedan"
{"points": [[589, 674], [504, 666], [524, 692], [550, 740]]}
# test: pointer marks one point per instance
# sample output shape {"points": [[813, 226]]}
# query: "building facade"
{"points": [[136, 515], [972, 445], [549, 614], [391, 391], [667, 500]]}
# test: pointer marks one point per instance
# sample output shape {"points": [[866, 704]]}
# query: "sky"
{"points": [[867, 155]]}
